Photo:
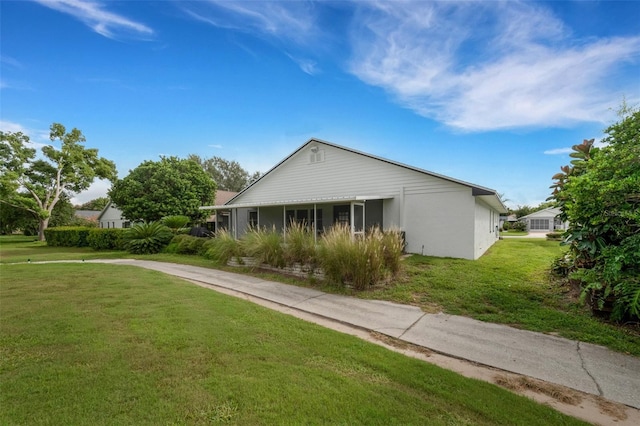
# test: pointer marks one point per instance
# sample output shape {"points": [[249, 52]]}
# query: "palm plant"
{"points": [[148, 238]]}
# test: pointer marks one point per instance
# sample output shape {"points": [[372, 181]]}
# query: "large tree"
{"points": [[95, 204], [599, 194], [36, 183], [169, 187], [228, 175]]}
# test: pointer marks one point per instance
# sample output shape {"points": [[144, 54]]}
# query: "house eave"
{"points": [[291, 202]]}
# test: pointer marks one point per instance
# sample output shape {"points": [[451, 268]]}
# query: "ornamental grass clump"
{"points": [[222, 248], [299, 247], [360, 261], [148, 238], [392, 248], [265, 246]]}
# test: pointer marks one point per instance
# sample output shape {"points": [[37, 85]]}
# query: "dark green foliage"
{"points": [[599, 194], [176, 223], [554, 236], [186, 244], [106, 239], [169, 187], [228, 175], [147, 238], [95, 204], [67, 236], [48, 177], [518, 226]]}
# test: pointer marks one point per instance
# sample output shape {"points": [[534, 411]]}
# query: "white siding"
{"points": [[440, 224], [342, 173], [486, 221], [440, 217], [112, 218]]}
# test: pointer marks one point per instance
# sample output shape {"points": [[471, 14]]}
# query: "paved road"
{"points": [[581, 366]]}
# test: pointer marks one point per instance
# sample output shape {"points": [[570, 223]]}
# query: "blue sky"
{"points": [[493, 93]]}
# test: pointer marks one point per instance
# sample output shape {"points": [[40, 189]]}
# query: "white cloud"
{"points": [[217, 146], [475, 66], [38, 137], [103, 22], [287, 20], [558, 151], [529, 72], [98, 188], [308, 66]]}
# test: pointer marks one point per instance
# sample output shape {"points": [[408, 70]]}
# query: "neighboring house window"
{"points": [[539, 224], [126, 224]]}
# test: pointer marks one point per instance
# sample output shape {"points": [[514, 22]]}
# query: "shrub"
{"points": [[299, 246], [67, 236], [106, 239], [265, 246], [176, 223], [147, 238], [222, 248], [506, 226], [519, 226], [186, 244], [554, 236]]}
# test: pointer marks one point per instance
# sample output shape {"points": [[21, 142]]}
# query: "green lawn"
{"points": [[510, 284], [103, 344]]}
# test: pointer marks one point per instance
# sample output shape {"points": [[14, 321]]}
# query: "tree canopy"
{"points": [[228, 175], [599, 194], [95, 204], [35, 184], [168, 187]]}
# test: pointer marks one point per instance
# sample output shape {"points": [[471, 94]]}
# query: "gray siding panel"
{"points": [[341, 174]]}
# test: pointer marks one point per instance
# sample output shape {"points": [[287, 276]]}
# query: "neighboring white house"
{"points": [[111, 217], [544, 221], [322, 184]]}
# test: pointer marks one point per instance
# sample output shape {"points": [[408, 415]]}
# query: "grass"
{"points": [[510, 284], [104, 344]]}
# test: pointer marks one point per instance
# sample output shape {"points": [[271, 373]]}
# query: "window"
{"points": [[341, 215], [253, 219], [316, 155], [539, 224]]}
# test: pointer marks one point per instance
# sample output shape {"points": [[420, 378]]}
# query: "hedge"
{"points": [[106, 239], [67, 236]]}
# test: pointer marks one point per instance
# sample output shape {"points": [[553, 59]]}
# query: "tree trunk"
{"points": [[44, 223]]}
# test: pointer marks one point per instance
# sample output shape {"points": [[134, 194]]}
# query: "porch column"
{"points": [[284, 223], [315, 224]]}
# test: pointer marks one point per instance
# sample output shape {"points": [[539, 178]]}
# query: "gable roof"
{"points": [[109, 204], [490, 196], [548, 212]]}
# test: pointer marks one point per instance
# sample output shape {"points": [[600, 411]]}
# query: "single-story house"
{"points": [[111, 217], [321, 184], [545, 221]]}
